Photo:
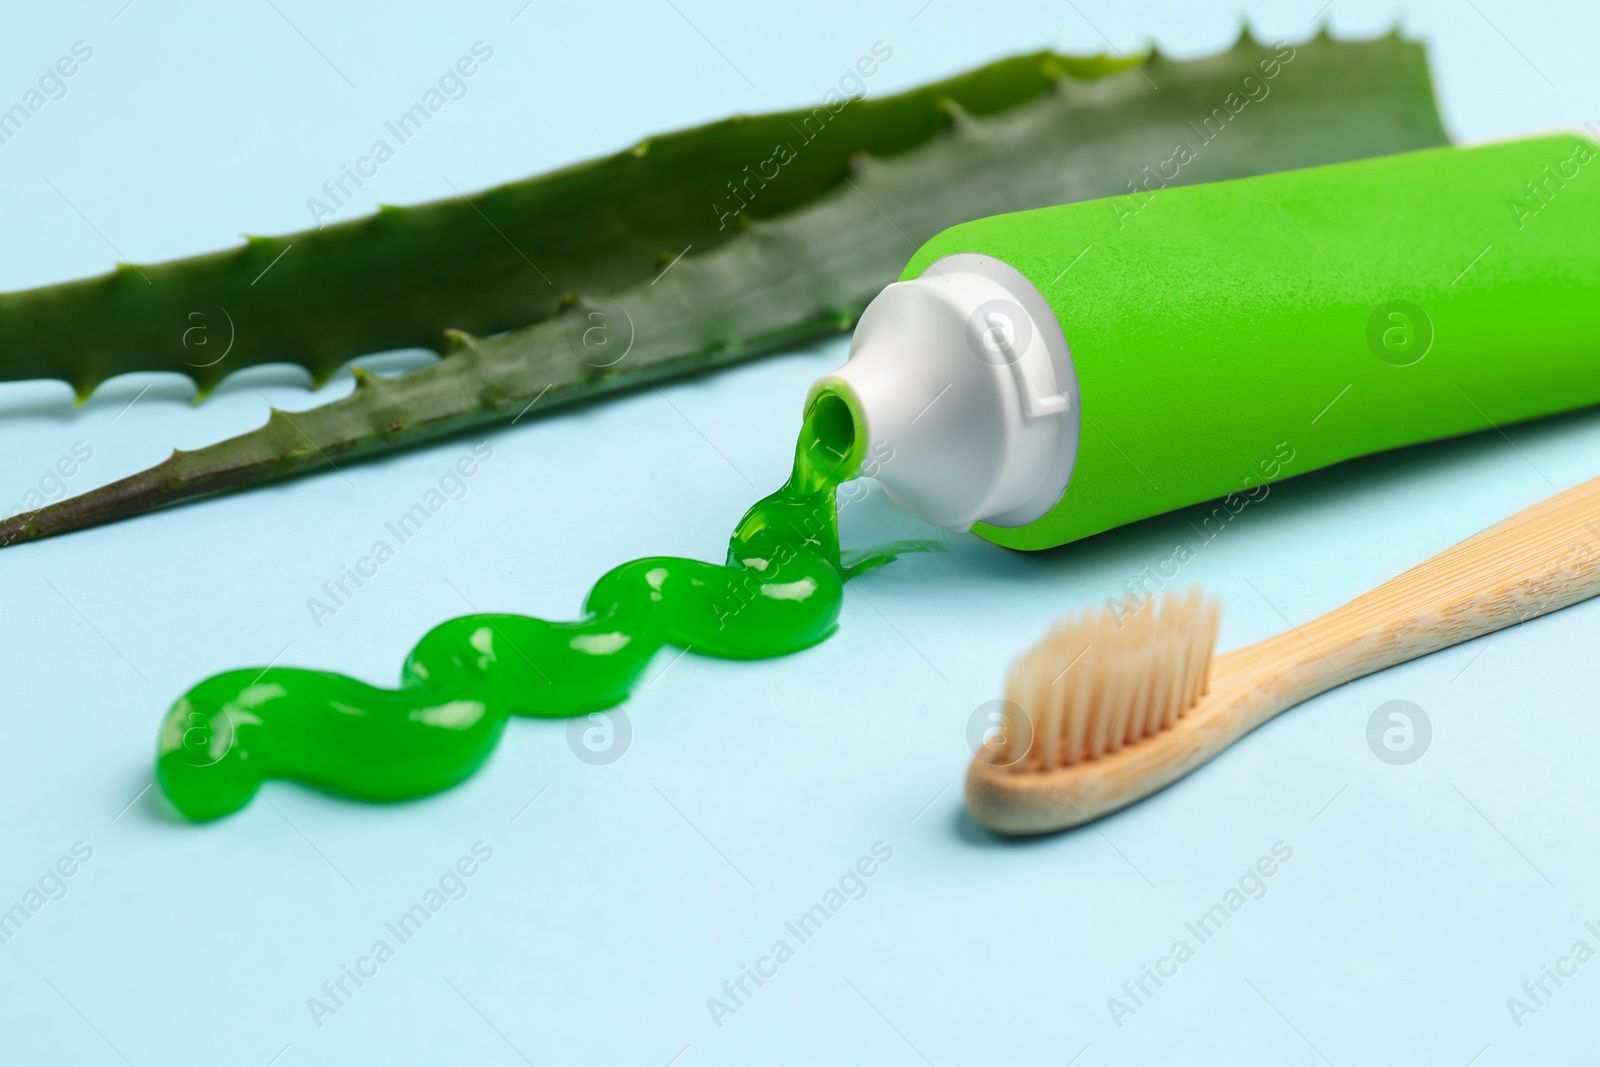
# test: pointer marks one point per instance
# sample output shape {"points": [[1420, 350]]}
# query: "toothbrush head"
{"points": [[1095, 686]]}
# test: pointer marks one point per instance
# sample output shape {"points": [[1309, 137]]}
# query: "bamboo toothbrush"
{"points": [[1112, 706]]}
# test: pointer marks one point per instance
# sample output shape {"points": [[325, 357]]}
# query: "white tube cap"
{"points": [[964, 385]]}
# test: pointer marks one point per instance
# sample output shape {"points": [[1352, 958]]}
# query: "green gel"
{"points": [[780, 591]]}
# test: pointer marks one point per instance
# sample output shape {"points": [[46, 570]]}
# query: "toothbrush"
{"points": [[1115, 705]]}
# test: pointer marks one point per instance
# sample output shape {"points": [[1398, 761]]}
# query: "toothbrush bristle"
{"points": [[1106, 679]]}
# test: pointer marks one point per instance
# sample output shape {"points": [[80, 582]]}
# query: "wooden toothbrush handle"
{"points": [[1543, 558]]}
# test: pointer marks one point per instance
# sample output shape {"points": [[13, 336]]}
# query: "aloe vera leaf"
{"points": [[487, 263], [807, 273]]}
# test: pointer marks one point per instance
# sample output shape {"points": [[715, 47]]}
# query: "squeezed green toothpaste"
{"points": [[779, 592]]}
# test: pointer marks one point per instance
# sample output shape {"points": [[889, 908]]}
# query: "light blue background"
{"points": [[1418, 898]]}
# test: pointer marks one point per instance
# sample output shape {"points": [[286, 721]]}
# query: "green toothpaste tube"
{"points": [[1043, 376]]}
